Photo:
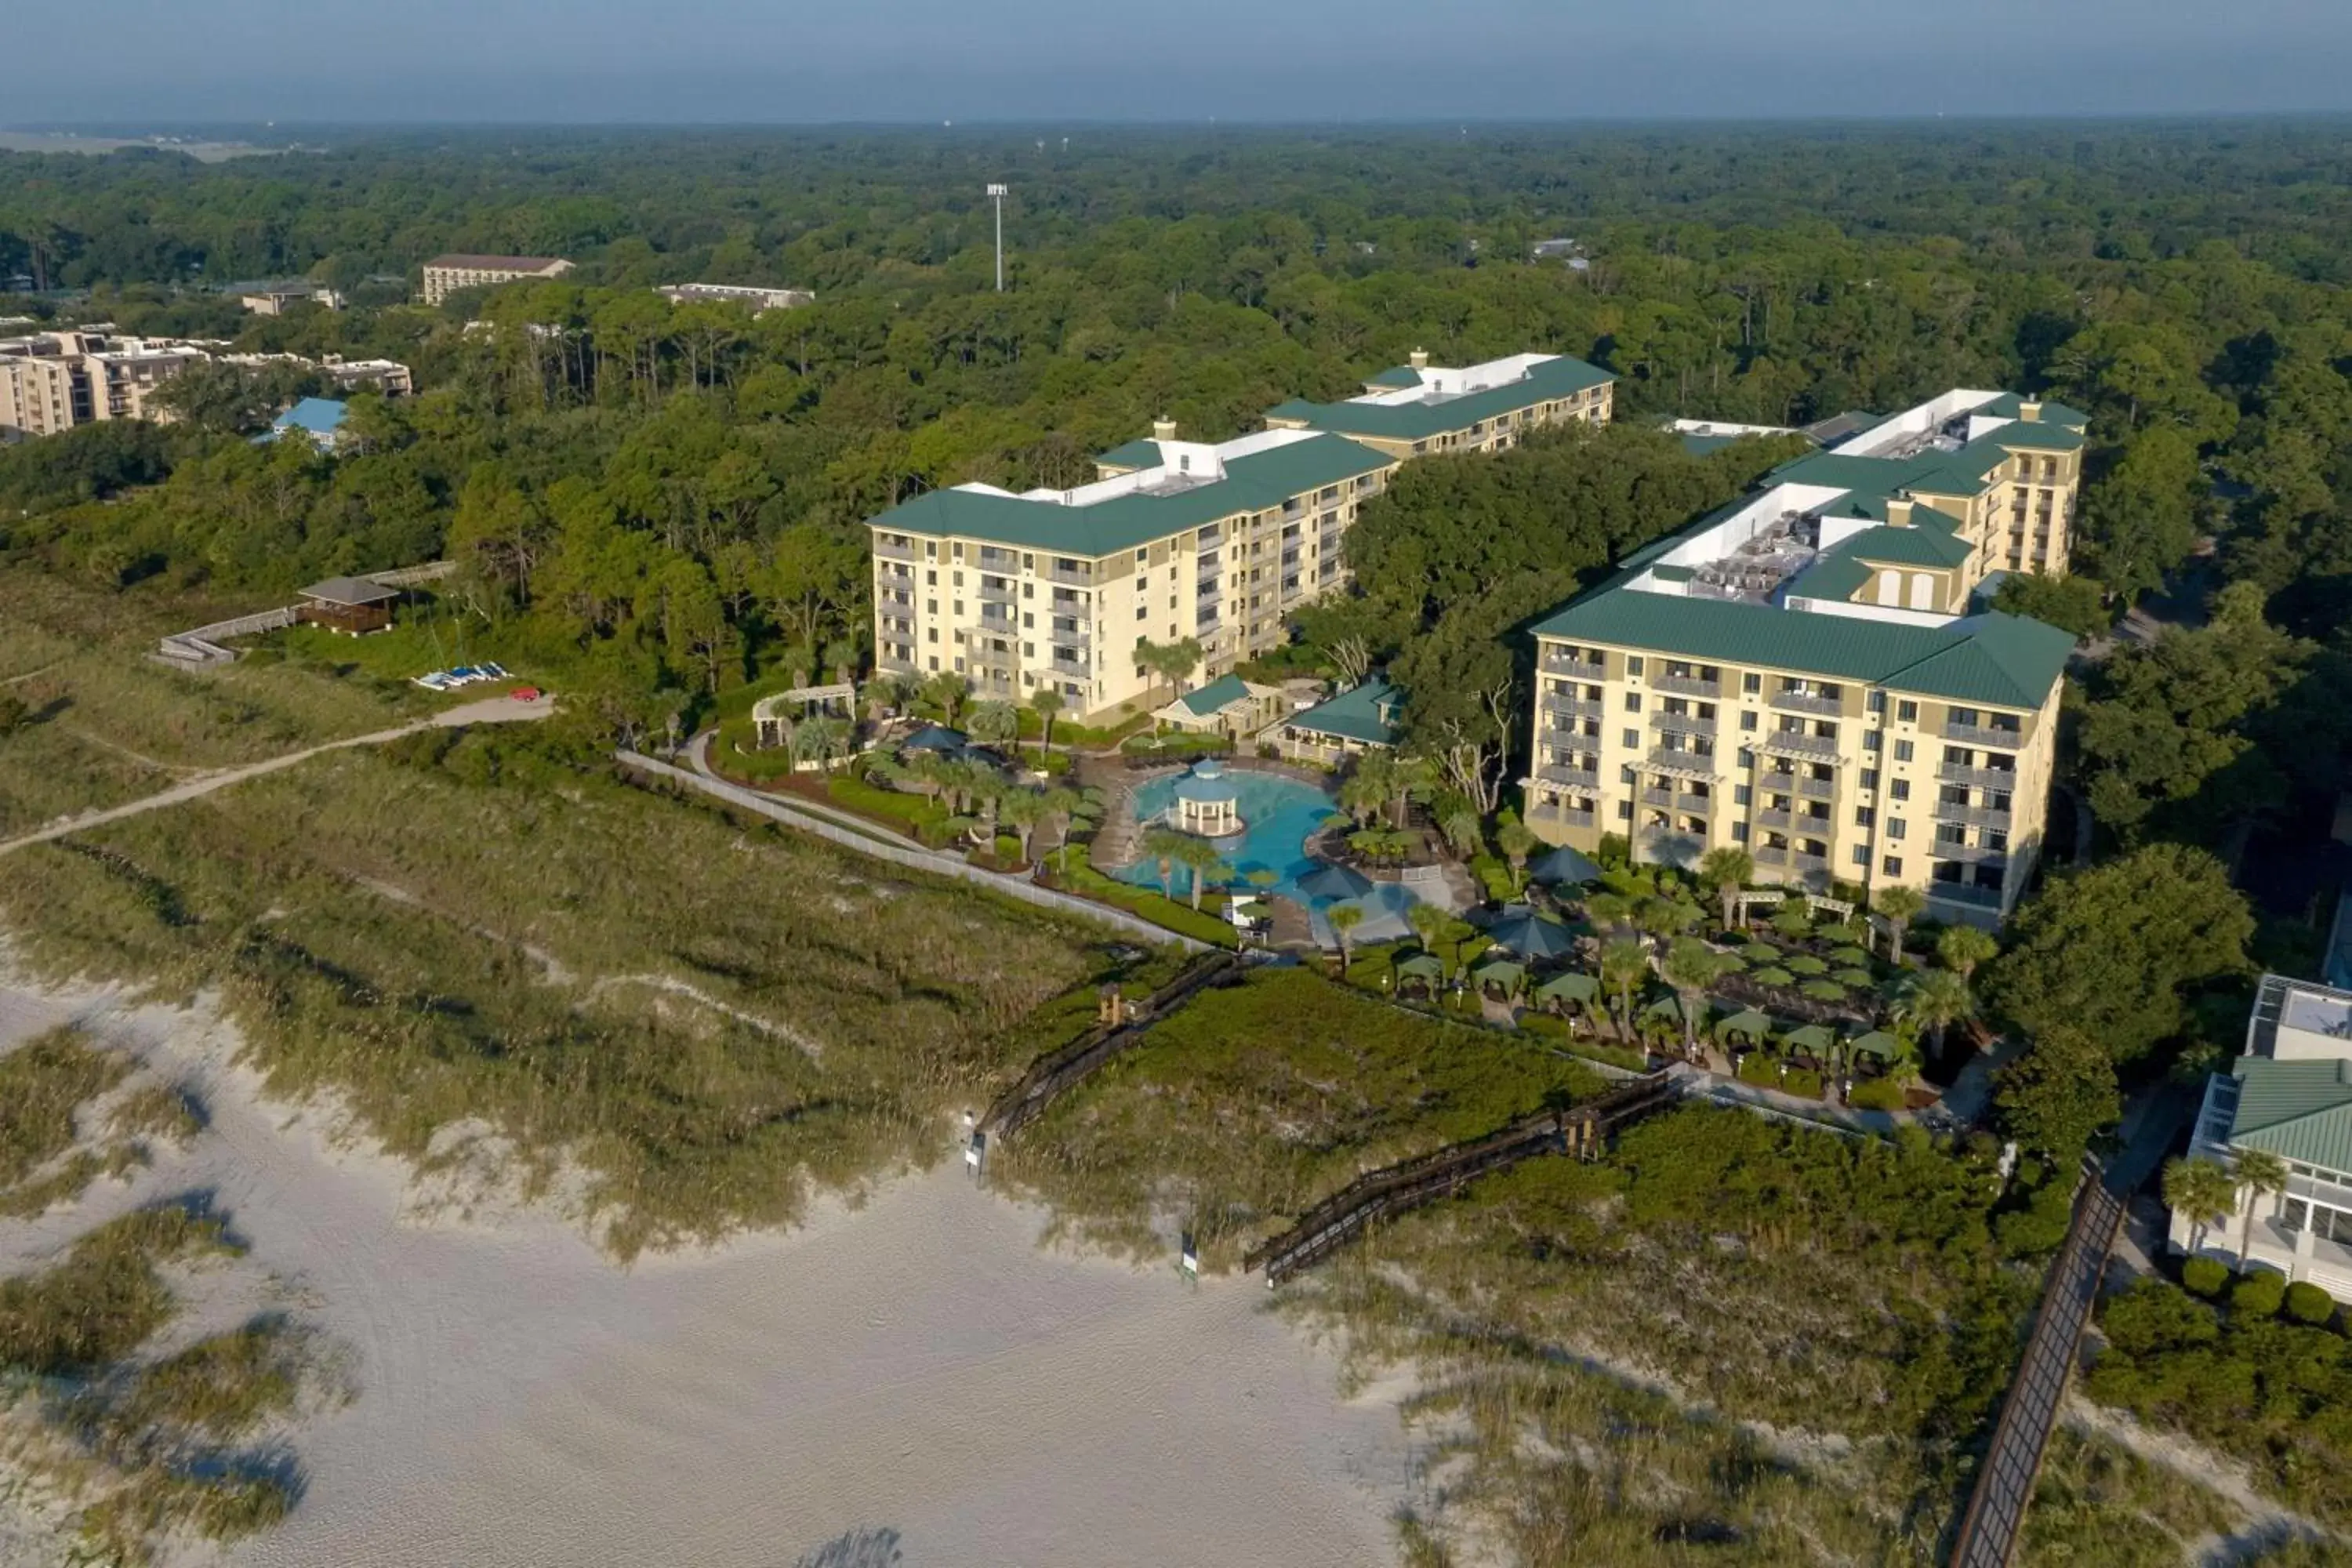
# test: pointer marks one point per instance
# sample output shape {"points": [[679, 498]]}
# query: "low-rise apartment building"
{"points": [[2290, 1096], [446, 275], [761, 300], [1219, 542], [1419, 409], [1810, 673]]}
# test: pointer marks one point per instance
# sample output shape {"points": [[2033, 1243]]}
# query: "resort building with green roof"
{"points": [[1419, 410], [2289, 1096], [1220, 543], [1812, 673]]}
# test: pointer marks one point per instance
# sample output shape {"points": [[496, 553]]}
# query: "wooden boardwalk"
{"points": [[1582, 1131]]}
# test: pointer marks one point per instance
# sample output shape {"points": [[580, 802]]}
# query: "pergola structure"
{"points": [[774, 716], [352, 606]]}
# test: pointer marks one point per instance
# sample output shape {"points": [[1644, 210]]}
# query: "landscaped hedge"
{"points": [[1802, 1083], [897, 805], [1156, 908], [1876, 1094], [2204, 1277], [2307, 1303], [1556, 1030], [1759, 1068]]}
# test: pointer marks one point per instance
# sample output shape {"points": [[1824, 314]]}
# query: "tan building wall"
{"points": [[59, 380], [445, 276], [1012, 620], [1817, 778]]}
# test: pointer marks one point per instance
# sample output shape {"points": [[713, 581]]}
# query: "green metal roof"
{"points": [[1962, 472], [1397, 375], [1997, 660], [1138, 454], [1908, 547], [2299, 1111], [2007, 407], [1359, 713], [1252, 483], [1215, 697], [1553, 378]]}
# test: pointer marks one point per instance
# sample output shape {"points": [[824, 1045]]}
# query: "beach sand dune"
{"points": [[914, 1382]]}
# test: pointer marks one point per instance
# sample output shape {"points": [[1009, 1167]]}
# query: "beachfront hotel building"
{"points": [[446, 275], [2288, 1096], [1810, 673], [54, 380], [1220, 543], [1418, 409]]}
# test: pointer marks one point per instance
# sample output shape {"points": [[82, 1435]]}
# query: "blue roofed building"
{"points": [[319, 420]]}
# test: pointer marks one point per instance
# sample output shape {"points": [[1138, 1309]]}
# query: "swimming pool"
{"points": [[1277, 814]]}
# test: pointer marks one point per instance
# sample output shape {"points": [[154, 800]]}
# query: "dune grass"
{"points": [[147, 1449], [1252, 1103], [706, 1020], [43, 1082]]}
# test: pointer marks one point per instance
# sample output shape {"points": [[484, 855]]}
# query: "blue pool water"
{"points": [[1277, 814]]}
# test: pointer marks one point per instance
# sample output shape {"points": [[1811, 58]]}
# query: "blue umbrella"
{"points": [[1335, 881], [1532, 937]]}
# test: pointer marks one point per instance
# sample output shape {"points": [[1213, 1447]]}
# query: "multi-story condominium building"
{"points": [[444, 275], [1809, 673], [1178, 539], [1419, 409], [55, 381], [762, 301], [2289, 1096]]}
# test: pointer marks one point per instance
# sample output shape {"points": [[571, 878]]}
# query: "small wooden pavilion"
{"points": [[348, 605]]}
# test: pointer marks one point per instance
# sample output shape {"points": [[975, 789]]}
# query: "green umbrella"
{"points": [[1877, 1043], [1424, 965], [1750, 1022], [1500, 972], [1812, 1039], [1571, 987]]}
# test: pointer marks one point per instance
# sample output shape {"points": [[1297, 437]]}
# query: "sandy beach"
{"points": [[913, 1377]]}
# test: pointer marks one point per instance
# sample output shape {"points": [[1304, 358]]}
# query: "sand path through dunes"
{"points": [[915, 1374]]}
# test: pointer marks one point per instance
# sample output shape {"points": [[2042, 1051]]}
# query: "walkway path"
{"points": [[697, 757], [493, 711], [791, 816]]}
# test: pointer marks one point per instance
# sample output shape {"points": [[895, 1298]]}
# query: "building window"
{"points": [[1900, 789], [1872, 740], [1861, 855], [1870, 778], [1747, 721], [1897, 827], [1625, 776], [1864, 816], [1633, 702], [1892, 865], [1633, 739], [1906, 712], [1740, 794], [1739, 833], [1624, 811], [1751, 683], [1902, 750], [1633, 664], [1142, 612], [1878, 702]]}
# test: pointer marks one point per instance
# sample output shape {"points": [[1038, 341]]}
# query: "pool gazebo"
{"points": [[1206, 802]]}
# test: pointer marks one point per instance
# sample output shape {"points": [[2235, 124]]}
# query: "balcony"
{"points": [[894, 626], [1209, 538], [1081, 576], [1065, 663], [1810, 863], [1683, 723], [893, 551], [1581, 669], [1796, 744], [1769, 854], [1071, 610], [1974, 816], [1781, 820], [1574, 778], [1983, 735], [1570, 708], [894, 665], [1664, 798], [1966, 894], [1698, 804], [1690, 764], [1079, 639], [2002, 779], [994, 559], [1969, 854], [893, 574], [1817, 789], [1686, 685], [1002, 593], [1808, 702]]}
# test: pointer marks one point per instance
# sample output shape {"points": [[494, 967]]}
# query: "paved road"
{"points": [[490, 710]]}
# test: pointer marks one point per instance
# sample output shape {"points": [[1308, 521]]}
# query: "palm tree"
{"points": [[1022, 810], [1691, 967], [1610, 909], [1900, 904], [1047, 702], [2260, 1173], [1344, 919], [1933, 1000], [1728, 868], [1062, 806], [1363, 792], [1461, 830], [1197, 856], [994, 723], [1962, 948], [2200, 1192], [1429, 923], [1409, 776], [1516, 840], [946, 692], [1661, 916], [1625, 963], [1166, 846]]}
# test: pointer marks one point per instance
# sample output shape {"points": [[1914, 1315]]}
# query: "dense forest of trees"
{"points": [[668, 498]]}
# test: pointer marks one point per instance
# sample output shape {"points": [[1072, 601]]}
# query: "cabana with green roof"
{"points": [[1227, 706], [1575, 987], [1502, 972], [1364, 718], [1755, 1025], [1811, 1040], [1425, 967]]}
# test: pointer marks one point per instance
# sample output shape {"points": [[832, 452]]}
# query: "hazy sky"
{"points": [[791, 60]]}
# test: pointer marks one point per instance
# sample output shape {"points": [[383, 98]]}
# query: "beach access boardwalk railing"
{"points": [[2004, 1487], [912, 859], [1059, 1070], [1581, 1130]]}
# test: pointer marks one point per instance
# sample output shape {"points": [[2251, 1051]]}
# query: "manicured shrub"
{"points": [[2258, 1295], [1805, 1084], [2307, 1303], [1876, 1094], [2204, 1277], [1757, 1067]]}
